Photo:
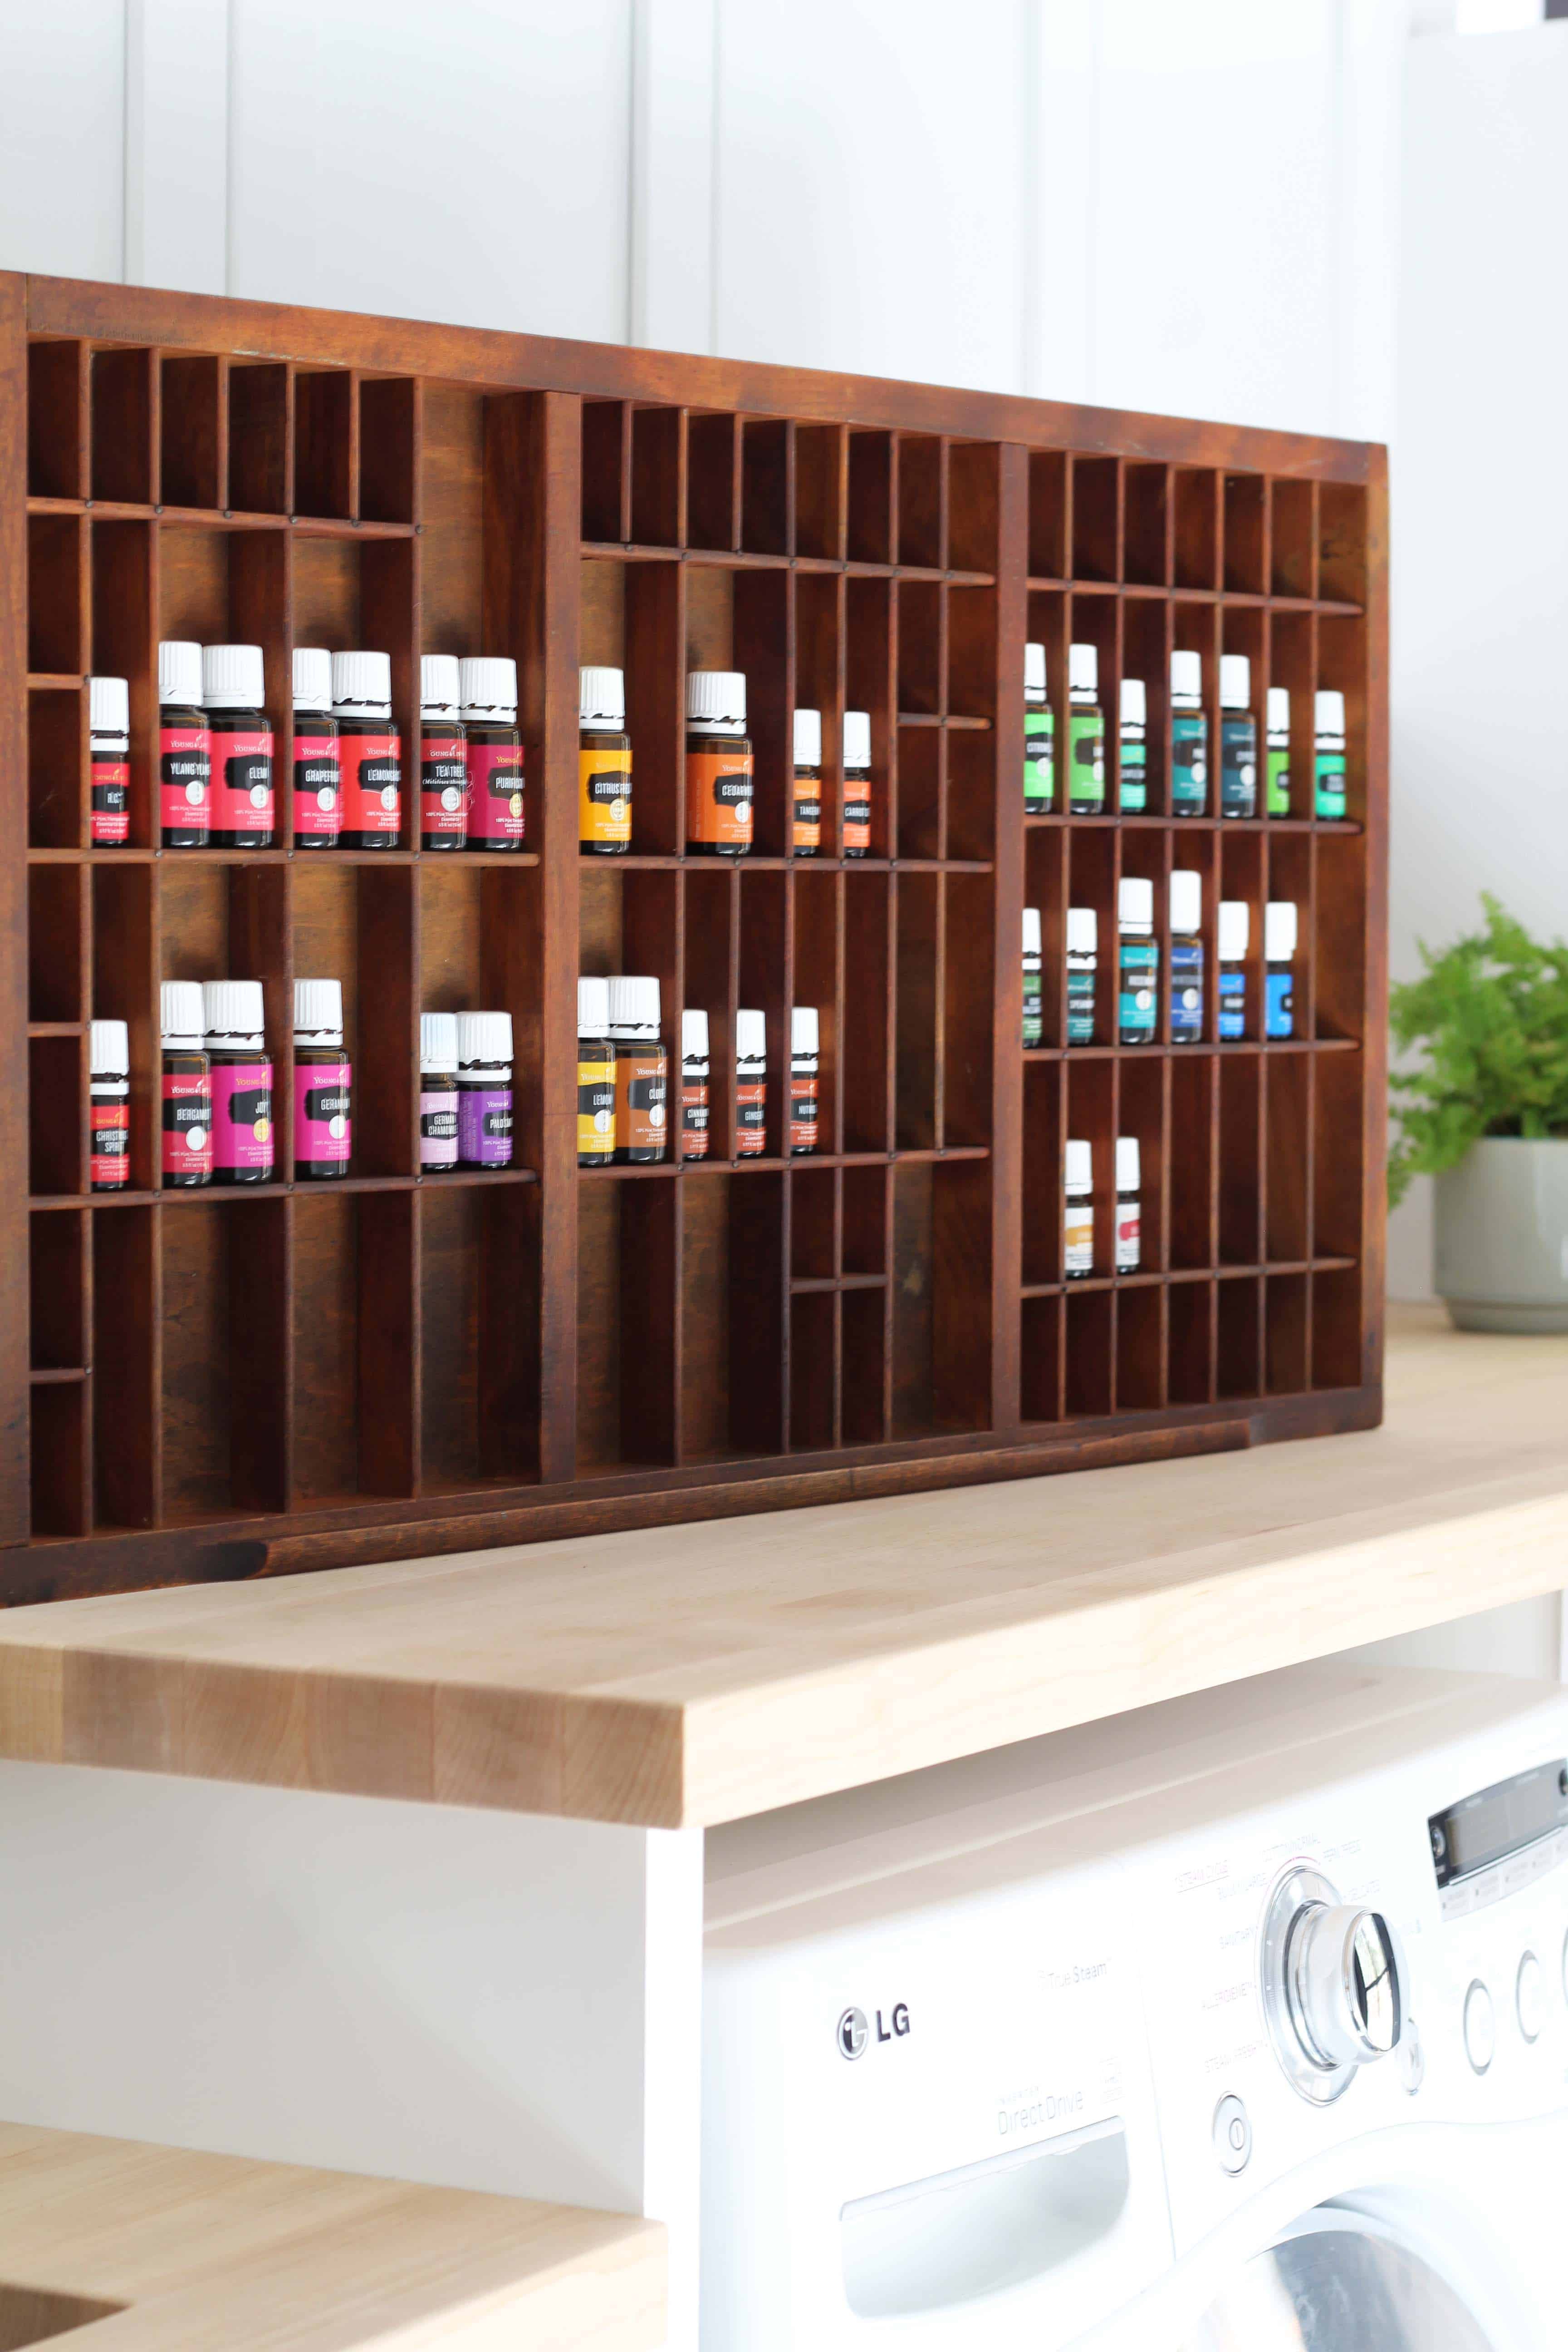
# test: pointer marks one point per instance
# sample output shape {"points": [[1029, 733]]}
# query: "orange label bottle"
{"points": [[720, 785], [750, 1084]]}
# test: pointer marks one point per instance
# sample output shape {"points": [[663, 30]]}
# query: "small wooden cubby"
{"points": [[222, 1383]]}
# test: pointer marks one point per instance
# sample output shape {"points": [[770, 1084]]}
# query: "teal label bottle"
{"points": [[1133, 748]]}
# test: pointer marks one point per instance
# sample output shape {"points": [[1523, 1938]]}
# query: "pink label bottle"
{"points": [[323, 1083]]}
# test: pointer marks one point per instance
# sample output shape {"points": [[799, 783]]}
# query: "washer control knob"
{"points": [[1480, 2027], [1231, 2134], [1530, 1997], [1343, 1982]]}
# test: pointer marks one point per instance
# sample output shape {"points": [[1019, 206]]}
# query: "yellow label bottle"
{"points": [[603, 765]]}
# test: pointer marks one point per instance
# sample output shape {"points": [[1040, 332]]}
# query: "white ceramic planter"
{"points": [[1502, 1236]]}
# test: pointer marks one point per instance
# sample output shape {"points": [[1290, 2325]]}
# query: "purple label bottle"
{"points": [[484, 1089]]}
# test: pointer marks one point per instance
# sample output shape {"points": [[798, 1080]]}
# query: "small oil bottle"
{"points": [[492, 754], [806, 812], [370, 751], [233, 691], [109, 1096], [1186, 957], [484, 1089], [1328, 754], [323, 1082], [1235, 936], [1138, 962], [750, 1084], [1077, 1223], [318, 779], [109, 730], [694, 1068], [184, 748], [443, 755], [1034, 983], [1039, 737], [1083, 974], [437, 1091], [1134, 747], [1280, 933], [1278, 752], [1238, 737], [856, 783], [242, 1122], [1086, 734], [1129, 1206], [595, 1076], [719, 782], [1189, 736], [188, 1155], [642, 1070], [804, 1063], [603, 764]]}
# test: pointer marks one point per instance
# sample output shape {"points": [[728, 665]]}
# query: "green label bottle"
{"points": [[1329, 755], [1039, 737], [1277, 752], [1086, 733]]}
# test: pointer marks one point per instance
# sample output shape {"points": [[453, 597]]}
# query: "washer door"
{"points": [[1339, 2283]]}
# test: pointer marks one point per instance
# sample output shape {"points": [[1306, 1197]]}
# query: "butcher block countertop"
{"points": [[694, 1675], [140, 2248]]}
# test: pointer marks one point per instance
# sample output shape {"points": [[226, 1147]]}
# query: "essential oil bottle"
{"points": [[1189, 736], [1034, 984], [750, 1082], [1086, 733], [1235, 938], [1133, 748], [1129, 1205], [243, 1125], [443, 756], [1083, 974], [1138, 962], [1238, 737], [484, 1089], [806, 814], [1328, 754], [184, 748], [805, 1064], [1186, 957], [323, 1082], [370, 751], [437, 1090], [603, 764], [694, 1073], [234, 690], [318, 778], [856, 783], [108, 1099], [1280, 933], [496, 809], [1078, 1221], [1039, 737], [187, 1154], [719, 782], [595, 1076], [642, 1070], [1278, 752], [109, 749]]}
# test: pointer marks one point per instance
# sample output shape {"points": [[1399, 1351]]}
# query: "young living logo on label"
{"points": [[853, 2031]]}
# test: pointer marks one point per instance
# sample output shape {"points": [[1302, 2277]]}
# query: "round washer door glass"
{"points": [[1336, 2285]]}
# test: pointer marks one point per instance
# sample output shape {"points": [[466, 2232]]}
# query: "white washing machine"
{"points": [[1238, 2025]]}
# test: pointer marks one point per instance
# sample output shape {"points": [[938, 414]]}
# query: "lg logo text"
{"points": [[853, 2032]]}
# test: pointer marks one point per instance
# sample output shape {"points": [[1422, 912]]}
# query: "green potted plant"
{"points": [[1485, 1112]]}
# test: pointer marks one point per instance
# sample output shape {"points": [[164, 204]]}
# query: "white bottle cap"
{"points": [[1234, 682], [634, 1001], [1080, 1165], [1186, 901], [107, 706], [1280, 930], [489, 689], [1083, 930], [593, 1007], [807, 738], [438, 1042], [179, 672], [694, 1034], [181, 1013], [312, 679], [1033, 669], [1186, 673], [1031, 930], [233, 1008], [1330, 710], [857, 739], [1135, 902], [1129, 1174], [751, 1036], [1083, 669], [602, 700], [484, 1037], [362, 685], [319, 1010], [1279, 709], [1235, 930], [716, 698], [440, 686], [110, 1049], [1135, 703], [804, 1031], [233, 678]]}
